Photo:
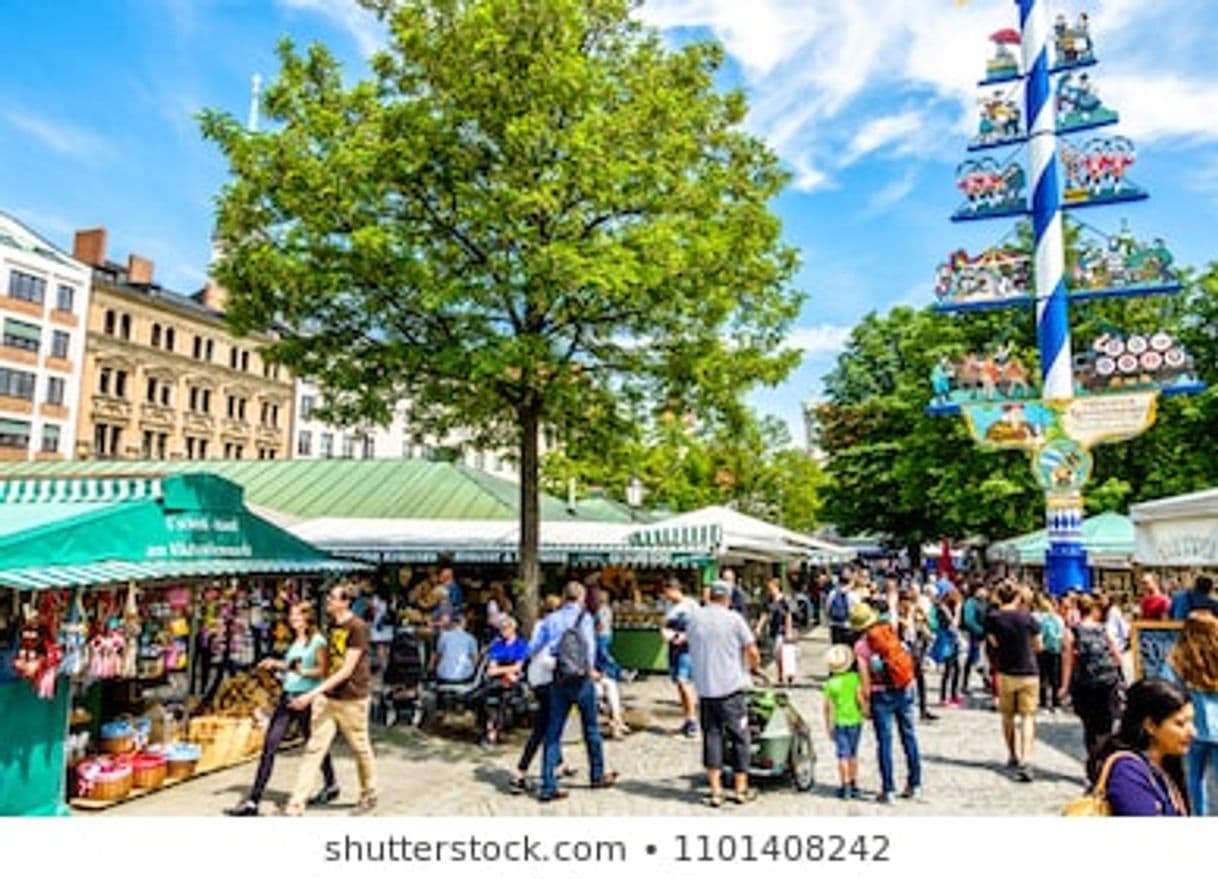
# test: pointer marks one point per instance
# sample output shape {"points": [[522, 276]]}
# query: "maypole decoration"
{"points": [[1110, 393]]}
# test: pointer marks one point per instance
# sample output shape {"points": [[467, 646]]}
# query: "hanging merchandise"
{"points": [[38, 651], [106, 645], [131, 634], [73, 636]]}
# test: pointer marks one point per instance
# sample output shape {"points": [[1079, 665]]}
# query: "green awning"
{"points": [[82, 532], [1108, 539], [22, 330]]}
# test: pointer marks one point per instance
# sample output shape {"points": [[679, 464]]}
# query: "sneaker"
{"points": [[629, 675], [957, 702], [885, 798], [518, 786], [1012, 763], [843, 792], [247, 809], [324, 796], [365, 805], [855, 793], [913, 792], [1023, 773], [689, 729]]}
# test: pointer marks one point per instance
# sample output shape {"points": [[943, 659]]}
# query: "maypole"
{"points": [[1109, 393]]}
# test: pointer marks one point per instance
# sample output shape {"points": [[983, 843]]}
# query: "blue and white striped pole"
{"points": [[1066, 560]]}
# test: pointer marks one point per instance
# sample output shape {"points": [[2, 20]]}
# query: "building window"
{"points": [[241, 409], [240, 451], [198, 348], [306, 405], [232, 358], [120, 383], [166, 394], [210, 350], [65, 296], [275, 415], [103, 380], [369, 447], [55, 391], [232, 406], [348, 447], [146, 445], [109, 323], [202, 448], [124, 327], [59, 344], [15, 383], [407, 449], [245, 361], [194, 399], [169, 338], [151, 395], [162, 446], [14, 434], [29, 288], [304, 444], [19, 334], [106, 439], [190, 448], [327, 445], [205, 402], [50, 437], [156, 336]]}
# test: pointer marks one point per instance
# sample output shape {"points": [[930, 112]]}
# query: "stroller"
{"points": [[402, 692]]}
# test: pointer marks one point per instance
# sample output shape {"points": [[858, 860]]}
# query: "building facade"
{"points": [[163, 376], [313, 438], [44, 301]]}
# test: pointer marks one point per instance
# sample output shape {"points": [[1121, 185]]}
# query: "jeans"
{"points": [[949, 685], [541, 723], [276, 731], [970, 662], [886, 706], [605, 663], [1200, 756], [581, 694]]}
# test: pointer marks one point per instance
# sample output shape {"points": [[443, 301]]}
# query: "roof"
{"points": [[599, 508], [18, 235], [60, 532], [1197, 505], [1108, 538], [292, 491], [724, 531]]}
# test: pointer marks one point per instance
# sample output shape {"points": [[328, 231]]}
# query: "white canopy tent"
{"points": [[723, 533], [1177, 532]]}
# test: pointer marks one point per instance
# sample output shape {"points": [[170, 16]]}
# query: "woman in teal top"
{"points": [[304, 666]]}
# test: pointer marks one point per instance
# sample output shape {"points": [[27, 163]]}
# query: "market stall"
{"points": [[124, 604], [1177, 532], [1108, 539]]}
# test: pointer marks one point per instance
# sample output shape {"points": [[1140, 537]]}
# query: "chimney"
{"points": [[89, 246], [213, 296], [139, 270]]}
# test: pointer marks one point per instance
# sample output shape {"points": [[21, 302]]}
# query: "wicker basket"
{"points": [[181, 760], [148, 771], [103, 780], [222, 740]]}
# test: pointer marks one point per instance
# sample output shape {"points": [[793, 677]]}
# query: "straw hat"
{"points": [[839, 658], [863, 617]]}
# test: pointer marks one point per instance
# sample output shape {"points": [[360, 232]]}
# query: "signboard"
{"points": [[1177, 543], [1152, 642], [1062, 465], [1109, 418], [1010, 424]]}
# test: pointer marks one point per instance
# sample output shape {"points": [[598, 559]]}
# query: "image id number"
{"points": [[833, 848]]}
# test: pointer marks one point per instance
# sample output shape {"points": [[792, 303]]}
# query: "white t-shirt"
{"points": [[717, 638]]}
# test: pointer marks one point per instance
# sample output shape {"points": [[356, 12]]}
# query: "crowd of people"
{"points": [[996, 643]]}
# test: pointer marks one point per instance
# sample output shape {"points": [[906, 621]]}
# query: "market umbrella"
{"points": [[1006, 35]]}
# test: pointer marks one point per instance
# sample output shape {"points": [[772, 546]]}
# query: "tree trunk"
{"points": [[530, 520]]}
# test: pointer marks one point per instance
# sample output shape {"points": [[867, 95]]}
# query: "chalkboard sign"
{"points": [[1151, 642]]}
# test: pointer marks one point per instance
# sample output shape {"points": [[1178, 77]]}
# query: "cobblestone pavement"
{"points": [[432, 774]]}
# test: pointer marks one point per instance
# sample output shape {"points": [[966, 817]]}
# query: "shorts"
{"points": [[846, 741], [725, 720], [1018, 694], [681, 667]]}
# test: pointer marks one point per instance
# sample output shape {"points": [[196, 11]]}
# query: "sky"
{"points": [[869, 103]]}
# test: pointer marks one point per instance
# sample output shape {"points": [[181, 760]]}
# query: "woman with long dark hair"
{"points": [[1193, 663], [1145, 758]]}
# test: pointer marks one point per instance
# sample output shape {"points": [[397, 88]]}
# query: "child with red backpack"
{"points": [[887, 673]]}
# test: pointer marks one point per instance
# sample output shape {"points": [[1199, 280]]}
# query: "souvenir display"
{"points": [[39, 653], [990, 189], [996, 276]]}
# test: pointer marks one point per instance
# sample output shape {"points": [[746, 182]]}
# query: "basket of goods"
{"points": [[221, 740], [117, 737], [243, 694], [181, 758], [149, 770], [103, 778]]}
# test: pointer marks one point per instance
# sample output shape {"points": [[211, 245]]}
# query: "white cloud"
{"points": [[820, 341], [823, 75], [60, 137], [360, 24], [889, 196]]}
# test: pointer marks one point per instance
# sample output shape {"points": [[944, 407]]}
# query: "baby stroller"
{"points": [[402, 683], [780, 740]]}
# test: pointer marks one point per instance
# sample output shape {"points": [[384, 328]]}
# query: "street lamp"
{"points": [[634, 495]]}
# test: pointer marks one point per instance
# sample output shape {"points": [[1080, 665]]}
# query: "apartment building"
{"points": [[164, 378], [44, 299]]}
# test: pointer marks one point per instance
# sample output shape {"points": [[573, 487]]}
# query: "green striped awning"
{"points": [[22, 330], [703, 537], [47, 491], [102, 573]]}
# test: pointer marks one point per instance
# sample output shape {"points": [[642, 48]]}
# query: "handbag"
{"points": [[1094, 803]]}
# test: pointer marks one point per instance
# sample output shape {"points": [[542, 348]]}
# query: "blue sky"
{"points": [[869, 103]]}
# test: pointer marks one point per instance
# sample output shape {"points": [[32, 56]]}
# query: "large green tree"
{"points": [[532, 213]]}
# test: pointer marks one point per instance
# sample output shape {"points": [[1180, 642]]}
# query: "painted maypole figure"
{"points": [[1109, 393]]}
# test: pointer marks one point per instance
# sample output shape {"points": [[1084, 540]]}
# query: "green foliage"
{"points": [[895, 471], [529, 214]]}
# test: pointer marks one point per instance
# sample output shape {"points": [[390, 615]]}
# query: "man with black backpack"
{"points": [[569, 636], [838, 604]]}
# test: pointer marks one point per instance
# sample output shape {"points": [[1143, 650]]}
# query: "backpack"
{"points": [[572, 653], [1094, 664], [891, 663], [1051, 633], [839, 607]]}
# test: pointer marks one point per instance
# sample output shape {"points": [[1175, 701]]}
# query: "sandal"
{"points": [[749, 795], [713, 800]]}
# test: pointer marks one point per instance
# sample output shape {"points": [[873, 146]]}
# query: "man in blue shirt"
{"points": [[1200, 597], [563, 694], [456, 656]]}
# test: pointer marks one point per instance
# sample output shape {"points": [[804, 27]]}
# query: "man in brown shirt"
{"points": [[340, 704]]}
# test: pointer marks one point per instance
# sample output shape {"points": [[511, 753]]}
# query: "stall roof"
{"points": [[721, 531], [61, 532], [1107, 537], [294, 491], [1197, 505], [1179, 531]]}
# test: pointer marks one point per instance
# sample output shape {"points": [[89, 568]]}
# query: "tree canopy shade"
{"points": [[533, 212]]}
